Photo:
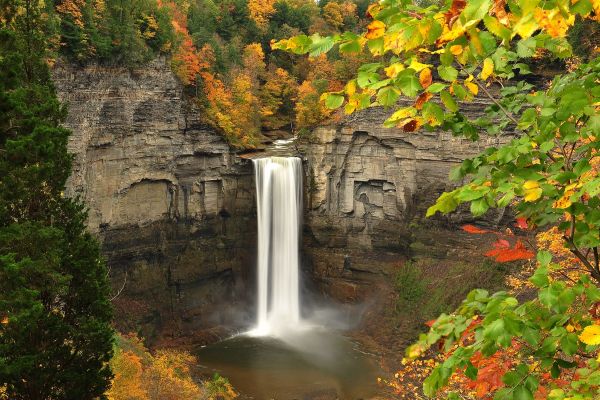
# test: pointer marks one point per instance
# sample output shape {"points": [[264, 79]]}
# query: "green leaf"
{"points": [[528, 118], [436, 87], [468, 193], [388, 96], [540, 278], [448, 101], [474, 11], [522, 393], [471, 371], [408, 82], [494, 26], [446, 203], [526, 47], [459, 91], [447, 73], [320, 44], [544, 257], [376, 46], [367, 78], [506, 199], [569, 344], [352, 46], [582, 7], [333, 101], [433, 111]]}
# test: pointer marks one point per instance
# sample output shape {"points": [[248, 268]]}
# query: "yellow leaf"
{"points": [[488, 69], [456, 49], [415, 350], [553, 22], [351, 88], [525, 26], [351, 105], [590, 335], [449, 35], [564, 201], [403, 113], [394, 69], [473, 88], [596, 7], [532, 191], [417, 66], [375, 30]]}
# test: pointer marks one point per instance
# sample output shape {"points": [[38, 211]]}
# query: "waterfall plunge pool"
{"points": [[309, 364], [283, 357]]}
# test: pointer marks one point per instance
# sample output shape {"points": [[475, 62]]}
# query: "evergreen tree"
{"points": [[55, 333]]}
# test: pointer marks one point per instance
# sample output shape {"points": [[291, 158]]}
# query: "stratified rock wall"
{"points": [[171, 204], [367, 193], [366, 180]]}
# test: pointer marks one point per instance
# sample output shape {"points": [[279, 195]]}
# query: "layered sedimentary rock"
{"points": [[170, 202], [368, 190]]}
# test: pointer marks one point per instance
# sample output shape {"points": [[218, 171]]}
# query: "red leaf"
{"points": [[521, 223], [430, 323], [502, 244], [473, 229], [502, 252]]}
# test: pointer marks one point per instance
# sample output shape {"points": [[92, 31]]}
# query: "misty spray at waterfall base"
{"points": [[286, 356]]}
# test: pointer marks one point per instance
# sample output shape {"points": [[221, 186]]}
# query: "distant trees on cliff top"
{"points": [[221, 51]]}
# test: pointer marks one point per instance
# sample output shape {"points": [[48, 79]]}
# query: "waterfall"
{"points": [[279, 213]]}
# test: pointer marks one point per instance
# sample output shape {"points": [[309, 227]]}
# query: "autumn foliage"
{"points": [[163, 375], [539, 339]]}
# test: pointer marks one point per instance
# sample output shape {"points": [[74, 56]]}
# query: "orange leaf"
{"points": [[425, 78], [456, 49], [473, 229], [502, 252], [455, 9], [422, 99], [373, 10], [498, 9], [521, 223], [375, 30]]}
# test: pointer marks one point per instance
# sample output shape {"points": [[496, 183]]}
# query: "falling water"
{"points": [[279, 211]]}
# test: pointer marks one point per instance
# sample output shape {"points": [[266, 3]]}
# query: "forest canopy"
{"points": [[220, 50]]}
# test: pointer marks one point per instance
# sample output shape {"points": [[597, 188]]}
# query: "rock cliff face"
{"points": [[174, 207], [368, 189], [170, 202]]}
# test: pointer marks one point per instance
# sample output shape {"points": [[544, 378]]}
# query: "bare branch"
{"points": [[122, 287]]}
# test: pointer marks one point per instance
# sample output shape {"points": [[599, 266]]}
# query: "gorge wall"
{"points": [[368, 191], [171, 204]]}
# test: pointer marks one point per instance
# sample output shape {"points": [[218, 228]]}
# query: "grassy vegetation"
{"points": [[428, 287]]}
